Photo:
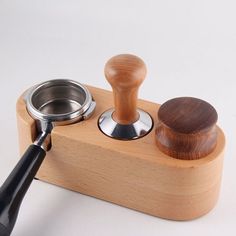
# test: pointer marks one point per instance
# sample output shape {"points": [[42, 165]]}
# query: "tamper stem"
{"points": [[125, 73]]}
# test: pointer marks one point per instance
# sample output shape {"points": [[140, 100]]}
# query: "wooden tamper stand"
{"points": [[186, 128], [135, 173], [125, 73]]}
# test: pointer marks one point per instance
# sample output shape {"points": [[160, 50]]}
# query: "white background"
{"points": [[190, 50]]}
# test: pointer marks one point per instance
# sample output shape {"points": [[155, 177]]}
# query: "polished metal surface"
{"points": [[44, 137], [125, 132], [57, 102]]}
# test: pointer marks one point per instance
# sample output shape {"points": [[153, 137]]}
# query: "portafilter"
{"points": [[51, 103]]}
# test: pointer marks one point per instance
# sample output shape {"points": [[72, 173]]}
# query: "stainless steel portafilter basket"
{"points": [[51, 103], [59, 101]]}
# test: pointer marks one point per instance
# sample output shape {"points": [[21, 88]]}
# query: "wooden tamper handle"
{"points": [[186, 128], [125, 73]]}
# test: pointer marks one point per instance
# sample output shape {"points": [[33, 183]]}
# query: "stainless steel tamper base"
{"points": [[132, 131]]}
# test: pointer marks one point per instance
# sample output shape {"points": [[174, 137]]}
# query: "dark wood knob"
{"points": [[125, 73], [186, 128]]}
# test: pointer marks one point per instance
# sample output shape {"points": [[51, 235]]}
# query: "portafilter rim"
{"points": [[68, 117]]}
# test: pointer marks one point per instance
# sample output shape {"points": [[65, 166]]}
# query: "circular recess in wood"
{"points": [[186, 128]]}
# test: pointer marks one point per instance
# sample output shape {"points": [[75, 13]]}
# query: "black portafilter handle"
{"points": [[16, 185]]}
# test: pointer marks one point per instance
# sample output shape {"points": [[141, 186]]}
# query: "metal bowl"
{"points": [[59, 100]]}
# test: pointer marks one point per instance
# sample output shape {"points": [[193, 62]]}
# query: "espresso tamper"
{"points": [[125, 73]]}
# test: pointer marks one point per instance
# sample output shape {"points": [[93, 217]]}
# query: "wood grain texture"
{"points": [[125, 73], [134, 174], [186, 128]]}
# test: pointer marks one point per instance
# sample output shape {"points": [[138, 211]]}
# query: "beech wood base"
{"points": [[134, 174]]}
